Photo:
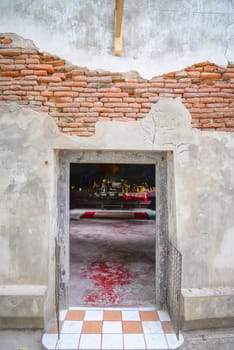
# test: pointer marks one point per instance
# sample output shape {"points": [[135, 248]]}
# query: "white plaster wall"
{"points": [[159, 36], [203, 170], [201, 190], [27, 212], [205, 209]]}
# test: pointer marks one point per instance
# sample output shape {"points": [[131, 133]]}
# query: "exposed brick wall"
{"points": [[77, 97]]}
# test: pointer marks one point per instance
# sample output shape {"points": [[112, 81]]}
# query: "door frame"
{"points": [[164, 218]]}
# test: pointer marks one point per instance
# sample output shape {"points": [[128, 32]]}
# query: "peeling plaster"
{"points": [[160, 36]]}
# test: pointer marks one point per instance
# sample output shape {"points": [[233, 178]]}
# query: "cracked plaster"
{"points": [[155, 40]]}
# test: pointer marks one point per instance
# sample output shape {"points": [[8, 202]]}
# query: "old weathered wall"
{"points": [[27, 212], [77, 98], [200, 193], [159, 36], [181, 49]]}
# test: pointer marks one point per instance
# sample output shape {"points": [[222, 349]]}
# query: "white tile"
{"points": [[68, 341], [130, 315], [62, 315], [134, 341], [156, 341], [49, 341], [112, 327], [94, 315], [173, 342], [163, 315], [72, 327], [150, 327], [90, 341], [112, 341]]}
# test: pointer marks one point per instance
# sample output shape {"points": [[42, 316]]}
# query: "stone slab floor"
{"points": [[112, 262]]}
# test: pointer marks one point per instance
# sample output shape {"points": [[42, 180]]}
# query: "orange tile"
{"points": [[112, 316], [75, 315], [132, 327], [92, 327], [149, 316], [167, 327], [54, 330]]}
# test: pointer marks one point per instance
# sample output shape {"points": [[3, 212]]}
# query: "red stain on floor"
{"points": [[107, 278]]}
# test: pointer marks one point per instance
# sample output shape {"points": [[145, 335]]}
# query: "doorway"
{"points": [[112, 235], [104, 327], [164, 221]]}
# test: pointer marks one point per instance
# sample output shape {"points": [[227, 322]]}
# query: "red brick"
{"points": [[103, 118], [40, 73], [141, 99], [115, 94], [115, 115], [49, 68], [153, 99], [13, 97], [10, 52], [207, 75], [135, 105], [96, 109], [66, 93], [47, 93], [141, 115], [26, 72], [228, 75], [126, 110], [201, 110], [213, 125], [106, 79], [21, 61], [9, 74], [57, 87], [230, 124], [109, 89], [131, 115], [70, 125], [5, 41], [86, 104], [6, 61], [157, 85], [32, 60], [181, 74], [117, 104], [105, 99], [204, 63], [209, 68], [169, 75], [49, 79], [71, 110], [80, 78]]}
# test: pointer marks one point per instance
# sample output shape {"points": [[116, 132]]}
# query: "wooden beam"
{"points": [[119, 4]]}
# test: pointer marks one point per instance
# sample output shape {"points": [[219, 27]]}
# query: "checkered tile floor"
{"points": [[113, 328]]}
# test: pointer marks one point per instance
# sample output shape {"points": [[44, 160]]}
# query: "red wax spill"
{"points": [[139, 215], [107, 277], [88, 215]]}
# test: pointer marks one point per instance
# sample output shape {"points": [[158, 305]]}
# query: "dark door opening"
{"points": [[112, 235]]}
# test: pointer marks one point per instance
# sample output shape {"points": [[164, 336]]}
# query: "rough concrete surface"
{"points": [[16, 339]]}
